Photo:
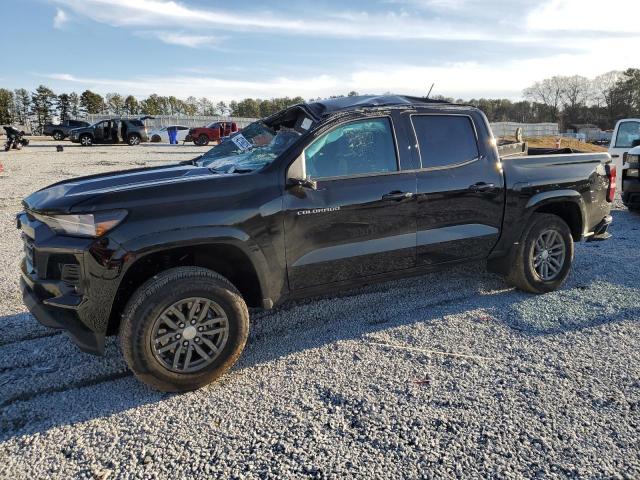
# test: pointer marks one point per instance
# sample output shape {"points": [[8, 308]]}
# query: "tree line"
{"points": [[567, 100]]}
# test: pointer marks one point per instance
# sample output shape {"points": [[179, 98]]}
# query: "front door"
{"points": [[459, 191], [360, 220], [99, 131]]}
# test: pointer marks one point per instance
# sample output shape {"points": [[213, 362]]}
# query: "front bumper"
{"points": [[69, 283], [631, 191], [64, 319]]}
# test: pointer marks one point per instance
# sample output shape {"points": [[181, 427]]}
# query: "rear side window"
{"points": [[356, 148], [136, 123], [445, 140]]}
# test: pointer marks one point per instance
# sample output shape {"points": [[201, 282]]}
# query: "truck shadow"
{"points": [[80, 388]]}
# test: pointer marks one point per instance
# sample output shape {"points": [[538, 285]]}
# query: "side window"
{"points": [[364, 146], [445, 140], [627, 133]]}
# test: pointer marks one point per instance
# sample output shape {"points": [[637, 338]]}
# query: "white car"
{"points": [[162, 134]]}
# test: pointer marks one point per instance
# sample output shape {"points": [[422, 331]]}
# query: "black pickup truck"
{"points": [[62, 130], [312, 200]]}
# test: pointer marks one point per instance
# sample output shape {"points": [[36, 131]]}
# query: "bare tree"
{"points": [[549, 92], [576, 91]]}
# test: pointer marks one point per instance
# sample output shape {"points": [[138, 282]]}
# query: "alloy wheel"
{"points": [[189, 335], [549, 254]]}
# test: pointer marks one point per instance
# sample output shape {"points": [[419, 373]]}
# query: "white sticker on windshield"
{"points": [[306, 123], [241, 142]]}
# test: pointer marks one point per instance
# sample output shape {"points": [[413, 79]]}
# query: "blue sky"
{"points": [[229, 50]]}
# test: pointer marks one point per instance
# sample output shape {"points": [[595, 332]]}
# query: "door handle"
{"points": [[482, 187], [615, 156], [397, 195]]}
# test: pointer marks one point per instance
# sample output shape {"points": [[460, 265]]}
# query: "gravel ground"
{"points": [[355, 386]]}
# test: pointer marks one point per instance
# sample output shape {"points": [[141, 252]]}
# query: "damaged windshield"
{"points": [[255, 147]]}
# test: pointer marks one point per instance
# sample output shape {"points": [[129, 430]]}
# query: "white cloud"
{"points": [[458, 80], [60, 19], [552, 26], [154, 13], [183, 39], [586, 15]]}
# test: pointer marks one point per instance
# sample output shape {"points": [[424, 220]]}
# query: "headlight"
{"points": [[83, 225]]}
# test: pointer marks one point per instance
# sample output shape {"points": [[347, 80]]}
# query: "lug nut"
{"points": [[200, 329], [185, 343], [197, 339], [193, 322], [178, 336], [181, 325]]}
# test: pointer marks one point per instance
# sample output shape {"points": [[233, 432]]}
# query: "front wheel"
{"points": [[58, 135], [86, 140], [133, 139], [183, 329], [543, 256]]}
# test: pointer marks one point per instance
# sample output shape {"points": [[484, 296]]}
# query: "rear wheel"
{"points": [[156, 139], [183, 329], [86, 140], [58, 135], [543, 256], [202, 140]]}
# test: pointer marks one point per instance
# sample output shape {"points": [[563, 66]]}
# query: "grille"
{"points": [[70, 273], [28, 255]]}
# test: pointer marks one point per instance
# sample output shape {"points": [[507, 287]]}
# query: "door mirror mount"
{"points": [[297, 175], [302, 182]]}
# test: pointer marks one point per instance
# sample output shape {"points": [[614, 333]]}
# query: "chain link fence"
{"points": [[502, 129]]}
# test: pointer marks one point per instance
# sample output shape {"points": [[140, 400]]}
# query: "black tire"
{"points": [[86, 140], [7, 146], [202, 140], [134, 139], [188, 138], [58, 135], [156, 139], [523, 274], [149, 303]]}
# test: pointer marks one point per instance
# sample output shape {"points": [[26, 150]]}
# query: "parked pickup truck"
{"points": [[211, 133], [315, 199], [62, 130], [624, 147], [631, 179]]}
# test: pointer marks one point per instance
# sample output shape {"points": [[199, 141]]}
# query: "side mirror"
{"points": [[302, 182], [635, 143]]}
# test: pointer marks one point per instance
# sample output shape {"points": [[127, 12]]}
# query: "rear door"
{"points": [[360, 221], [460, 195]]}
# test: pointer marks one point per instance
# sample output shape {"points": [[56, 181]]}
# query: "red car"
{"points": [[212, 133]]}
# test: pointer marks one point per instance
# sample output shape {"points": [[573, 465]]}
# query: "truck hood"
{"points": [[80, 130], [61, 197]]}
